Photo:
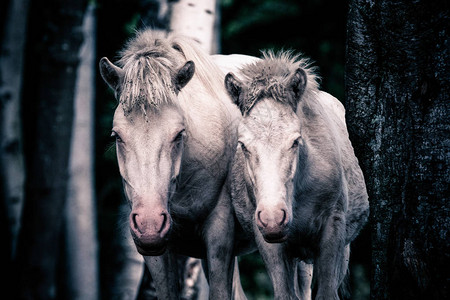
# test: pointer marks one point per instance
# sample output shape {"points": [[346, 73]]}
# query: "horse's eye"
{"points": [[179, 137], [295, 144], [244, 149], [117, 136]]}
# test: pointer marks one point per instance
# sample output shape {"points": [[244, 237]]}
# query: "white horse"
{"points": [[297, 187], [175, 128]]}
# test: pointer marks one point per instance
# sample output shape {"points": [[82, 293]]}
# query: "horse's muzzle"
{"points": [[150, 231], [150, 249], [275, 237], [273, 224]]}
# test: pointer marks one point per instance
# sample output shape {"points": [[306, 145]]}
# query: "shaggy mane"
{"points": [[270, 77], [149, 62]]}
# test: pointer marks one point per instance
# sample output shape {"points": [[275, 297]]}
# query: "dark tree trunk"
{"points": [[13, 22], [398, 113], [55, 39]]}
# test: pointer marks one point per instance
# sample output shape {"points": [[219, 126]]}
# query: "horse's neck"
{"points": [[321, 131], [321, 111], [318, 128], [211, 116], [200, 105], [211, 121], [310, 112]]}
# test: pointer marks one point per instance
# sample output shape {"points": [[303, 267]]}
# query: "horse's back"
{"points": [[358, 205], [232, 62], [333, 106]]}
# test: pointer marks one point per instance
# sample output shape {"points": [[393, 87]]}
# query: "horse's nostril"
{"points": [[260, 219], [164, 221], [284, 218], [135, 223]]}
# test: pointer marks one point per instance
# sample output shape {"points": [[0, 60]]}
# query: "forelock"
{"points": [[270, 77], [149, 63]]}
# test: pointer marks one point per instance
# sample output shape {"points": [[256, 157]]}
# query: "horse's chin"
{"points": [[273, 239], [151, 250], [150, 245]]}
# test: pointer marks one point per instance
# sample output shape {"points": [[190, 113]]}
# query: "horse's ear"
{"points": [[184, 75], [298, 83], [111, 73], [234, 87]]}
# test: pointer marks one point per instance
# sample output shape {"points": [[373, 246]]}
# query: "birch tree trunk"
{"points": [[398, 110], [216, 45], [49, 100], [81, 238], [195, 19]]}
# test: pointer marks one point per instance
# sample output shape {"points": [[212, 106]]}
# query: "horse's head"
{"points": [[270, 140], [149, 135]]}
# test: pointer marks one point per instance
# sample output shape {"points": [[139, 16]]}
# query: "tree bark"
{"points": [[48, 111], [81, 238], [398, 110]]}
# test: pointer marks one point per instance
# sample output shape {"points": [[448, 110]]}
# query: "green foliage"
{"points": [[254, 279], [266, 13], [133, 24]]}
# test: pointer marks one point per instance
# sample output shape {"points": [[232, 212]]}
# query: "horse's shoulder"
{"points": [[327, 139], [357, 193]]}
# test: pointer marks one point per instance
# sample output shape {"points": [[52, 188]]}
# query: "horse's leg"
{"points": [[164, 272], [219, 232], [304, 279], [237, 290], [328, 266], [342, 281], [279, 266]]}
